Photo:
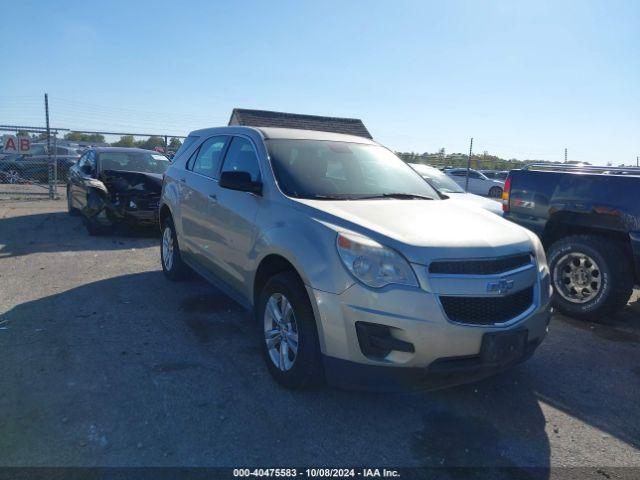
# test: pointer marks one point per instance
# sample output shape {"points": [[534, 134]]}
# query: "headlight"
{"points": [[373, 264]]}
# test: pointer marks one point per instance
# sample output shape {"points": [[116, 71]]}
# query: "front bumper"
{"points": [[442, 352]]}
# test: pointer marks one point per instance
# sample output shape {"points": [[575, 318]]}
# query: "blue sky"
{"points": [[525, 79]]}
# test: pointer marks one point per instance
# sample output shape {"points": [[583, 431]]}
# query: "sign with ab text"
{"points": [[15, 144]]}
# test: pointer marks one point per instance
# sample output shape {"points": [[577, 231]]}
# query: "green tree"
{"points": [[125, 141], [175, 144], [84, 137], [151, 143]]}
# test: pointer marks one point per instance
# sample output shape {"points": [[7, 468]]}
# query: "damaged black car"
{"points": [[113, 186]]}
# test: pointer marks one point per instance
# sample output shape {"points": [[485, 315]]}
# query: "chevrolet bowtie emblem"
{"points": [[502, 286]]}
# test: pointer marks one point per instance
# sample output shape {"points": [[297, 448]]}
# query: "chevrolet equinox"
{"points": [[357, 270]]}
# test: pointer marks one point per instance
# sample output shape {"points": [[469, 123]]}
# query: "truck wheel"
{"points": [[495, 192], [172, 265], [289, 335], [591, 276]]}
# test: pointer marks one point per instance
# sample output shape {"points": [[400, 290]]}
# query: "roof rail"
{"points": [[610, 170]]}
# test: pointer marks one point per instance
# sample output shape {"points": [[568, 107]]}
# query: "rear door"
{"points": [[233, 224], [198, 198]]}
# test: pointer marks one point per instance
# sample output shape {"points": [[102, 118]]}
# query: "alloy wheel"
{"points": [[12, 176], [577, 277], [281, 332], [167, 248]]}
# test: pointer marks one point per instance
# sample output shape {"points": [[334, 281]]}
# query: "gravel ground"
{"points": [[105, 363]]}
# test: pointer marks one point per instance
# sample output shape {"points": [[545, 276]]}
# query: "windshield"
{"points": [[438, 179], [342, 170], [144, 162]]}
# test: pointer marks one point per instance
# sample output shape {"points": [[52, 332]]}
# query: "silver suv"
{"points": [[356, 269]]}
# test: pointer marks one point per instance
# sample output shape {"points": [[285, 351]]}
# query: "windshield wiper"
{"points": [[401, 196]]}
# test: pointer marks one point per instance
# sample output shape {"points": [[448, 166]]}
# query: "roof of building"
{"points": [[265, 118]]}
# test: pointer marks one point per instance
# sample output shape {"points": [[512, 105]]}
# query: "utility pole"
{"points": [[565, 155], [466, 184], [50, 169], [637, 161]]}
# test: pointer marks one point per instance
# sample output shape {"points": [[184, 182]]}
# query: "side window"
{"points": [[37, 150], [241, 157], [475, 175], [208, 157], [186, 144]]}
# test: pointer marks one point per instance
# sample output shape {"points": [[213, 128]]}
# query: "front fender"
{"points": [[312, 251]]}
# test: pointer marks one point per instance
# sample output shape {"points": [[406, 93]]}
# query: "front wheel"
{"points": [[289, 335], [591, 276]]}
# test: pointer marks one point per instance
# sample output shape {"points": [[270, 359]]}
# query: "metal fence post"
{"points": [[50, 169], [55, 164], [466, 183]]}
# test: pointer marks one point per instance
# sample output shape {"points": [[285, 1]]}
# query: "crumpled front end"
{"points": [[120, 196]]}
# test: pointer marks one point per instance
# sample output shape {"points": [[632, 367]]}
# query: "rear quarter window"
{"points": [[186, 145]]}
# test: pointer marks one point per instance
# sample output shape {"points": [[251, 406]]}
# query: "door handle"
{"points": [[182, 180], [213, 197]]}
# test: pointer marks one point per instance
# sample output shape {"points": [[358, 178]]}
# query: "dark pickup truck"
{"points": [[588, 219]]}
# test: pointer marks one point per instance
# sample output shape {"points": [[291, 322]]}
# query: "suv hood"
{"points": [[424, 230], [471, 200]]}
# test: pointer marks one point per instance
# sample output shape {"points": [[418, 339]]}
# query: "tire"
{"points": [[594, 267], [495, 192], [13, 176], [74, 212], [94, 228], [305, 368], [173, 267]]}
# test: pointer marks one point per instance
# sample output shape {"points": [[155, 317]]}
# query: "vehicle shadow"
{"points": [[60, 232], [136, 370]]}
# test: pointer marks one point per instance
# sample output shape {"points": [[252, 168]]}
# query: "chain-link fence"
{"points": [[36, 165], [42, 170]]}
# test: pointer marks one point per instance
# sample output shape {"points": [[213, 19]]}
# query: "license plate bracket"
{"points": [[502, 348]]}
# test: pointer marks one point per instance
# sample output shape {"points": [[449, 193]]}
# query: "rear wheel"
{"points": [[172, 265], [289, 335], [591, 276], [495, 192]]}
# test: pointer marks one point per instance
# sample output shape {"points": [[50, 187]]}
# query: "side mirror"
{"points": [[86, 170], [240, 181]]}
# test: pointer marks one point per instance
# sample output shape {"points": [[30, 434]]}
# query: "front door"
{"points": [[235, 216]]}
